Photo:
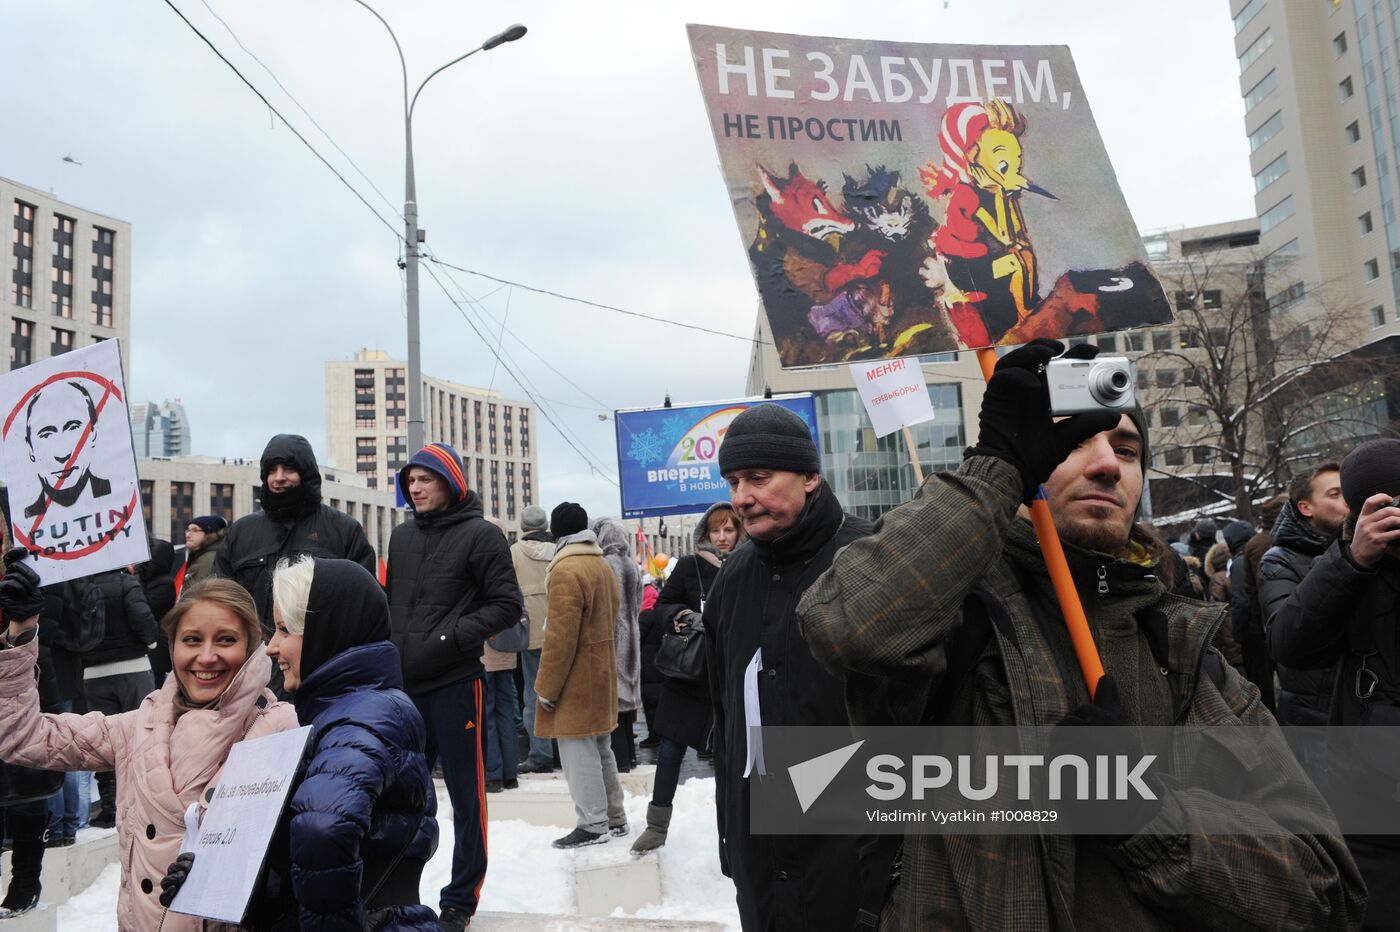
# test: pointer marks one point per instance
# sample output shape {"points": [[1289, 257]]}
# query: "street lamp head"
{"points": [[509, 35]]}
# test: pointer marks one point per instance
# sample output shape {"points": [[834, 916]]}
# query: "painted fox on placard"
{"points": [[797, 243]]}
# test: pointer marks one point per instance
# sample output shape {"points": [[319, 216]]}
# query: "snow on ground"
{"points": [[95, 909], [526, 874]]}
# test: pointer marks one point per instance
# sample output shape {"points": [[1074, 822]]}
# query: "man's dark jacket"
{"points": [[807, 882], [451, 586], [1336, 613], [72, 611], [130, 627], [1304, 695], [256, 542]]}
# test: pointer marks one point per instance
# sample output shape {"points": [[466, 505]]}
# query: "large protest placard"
{"points": [[898, 199], [232, 840], [667, 458], [68, 464]]}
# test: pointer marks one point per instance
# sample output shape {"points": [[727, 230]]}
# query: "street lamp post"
{"points": [[412, 234]]}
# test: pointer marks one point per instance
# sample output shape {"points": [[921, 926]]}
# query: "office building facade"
{"points": [[65, 277], [176, 490]]}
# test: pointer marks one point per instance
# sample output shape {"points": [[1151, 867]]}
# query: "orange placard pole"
{"points": [[1065, 591]]}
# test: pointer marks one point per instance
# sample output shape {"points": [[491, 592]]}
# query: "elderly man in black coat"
{"points": [[795, 526]]}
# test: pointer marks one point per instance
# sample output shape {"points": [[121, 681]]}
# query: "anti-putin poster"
{"points": [[897, 199]]}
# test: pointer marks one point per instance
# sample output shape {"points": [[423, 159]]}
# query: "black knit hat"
{"points": [[209, 524], [567, 518], [1370, 468], [768, 436]]}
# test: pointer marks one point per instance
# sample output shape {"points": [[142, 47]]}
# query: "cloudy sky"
{"points": [[578, 160]]}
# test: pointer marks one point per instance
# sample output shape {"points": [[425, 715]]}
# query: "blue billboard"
{"points": [[667, 458]]}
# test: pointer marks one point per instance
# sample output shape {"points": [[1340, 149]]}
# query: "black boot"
{"points": [[29, 831], [107, 792]]}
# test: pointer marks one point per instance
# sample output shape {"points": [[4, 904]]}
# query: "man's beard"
{"points": [[1101, 535]]}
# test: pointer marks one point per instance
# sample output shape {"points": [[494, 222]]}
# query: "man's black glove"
{"points": [[1129, 814], [20, 598], [175, 877], [1016, 425]]}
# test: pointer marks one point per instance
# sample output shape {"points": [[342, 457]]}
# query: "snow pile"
{"points": [[95, 909], [527, 874], [691, 885]]}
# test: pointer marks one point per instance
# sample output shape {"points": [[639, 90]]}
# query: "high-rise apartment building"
{"points": [[65, 276], [159, 429], [1321, 87], [367, 430]]}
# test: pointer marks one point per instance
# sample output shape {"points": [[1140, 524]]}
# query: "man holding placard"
{"points": [[946, 615]]}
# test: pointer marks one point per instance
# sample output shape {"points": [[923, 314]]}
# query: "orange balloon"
{"points": [[662, 559]]}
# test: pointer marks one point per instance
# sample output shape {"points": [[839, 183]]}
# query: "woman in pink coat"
{"points": [[169, 751]]}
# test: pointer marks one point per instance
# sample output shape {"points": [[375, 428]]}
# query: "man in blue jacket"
{"points": [[452, 585]]}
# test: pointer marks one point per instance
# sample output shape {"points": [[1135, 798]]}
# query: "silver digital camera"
{"points": [[1104, 383]]}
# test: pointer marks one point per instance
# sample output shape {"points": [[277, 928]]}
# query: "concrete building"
{"points": [[367, 431], [65, 280], [1322, 116], [869, 474], [159, 429], [176, 490]]}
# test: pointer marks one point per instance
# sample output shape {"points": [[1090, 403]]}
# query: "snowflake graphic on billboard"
{"points": [[673, 429], [646, 448]]}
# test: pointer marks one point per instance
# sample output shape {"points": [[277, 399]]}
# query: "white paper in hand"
{"points": [[231, 844]]}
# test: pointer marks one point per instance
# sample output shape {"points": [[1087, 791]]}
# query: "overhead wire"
{"points": [[524, 381], [285, 122], [599, 305], [543, 409], [306, 113], [478, 302]]}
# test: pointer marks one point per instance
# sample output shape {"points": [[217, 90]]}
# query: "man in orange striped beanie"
{"points": [[451, 586]]}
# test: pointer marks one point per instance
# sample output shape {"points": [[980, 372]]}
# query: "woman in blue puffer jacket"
{"points": [[362, 816]]}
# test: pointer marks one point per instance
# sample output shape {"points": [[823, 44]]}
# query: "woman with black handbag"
{"points": [[683, 716]]}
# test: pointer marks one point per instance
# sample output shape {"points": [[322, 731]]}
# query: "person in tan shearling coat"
{"points": [[169, 751], [577, 681]]}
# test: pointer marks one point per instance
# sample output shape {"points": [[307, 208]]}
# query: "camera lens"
{"points": [[1108, 384]]}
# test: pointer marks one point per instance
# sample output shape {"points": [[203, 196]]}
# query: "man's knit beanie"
{"points": [[768, 436], [567, 518], [442, 460], [533, 518], [1370, 468]]}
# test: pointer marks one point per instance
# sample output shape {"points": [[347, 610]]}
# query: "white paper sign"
{"points": [[238, 825], [894, 393], [67, 460]]}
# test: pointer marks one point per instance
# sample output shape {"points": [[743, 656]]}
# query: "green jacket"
{"points": [[883, 616]]}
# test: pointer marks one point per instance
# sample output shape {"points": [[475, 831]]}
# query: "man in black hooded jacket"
{"points": [[452, 585], [293, 521]]}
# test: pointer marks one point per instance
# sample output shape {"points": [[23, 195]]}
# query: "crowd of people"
{"points": [[942, 614]]}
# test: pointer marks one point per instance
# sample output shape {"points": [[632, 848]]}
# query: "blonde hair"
{"points": [[291, 587], [226, 594]]}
